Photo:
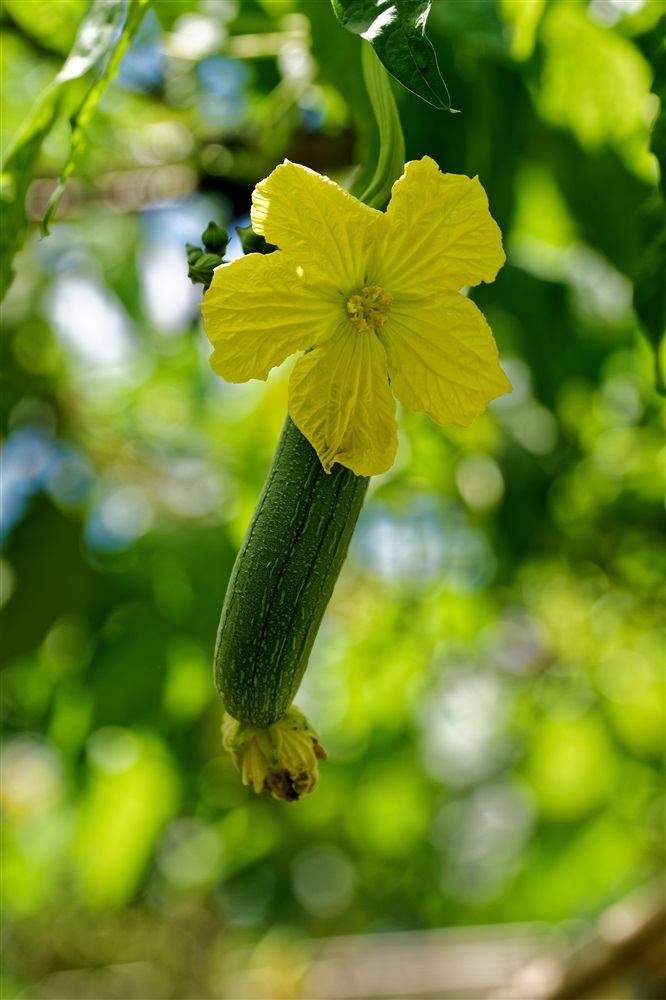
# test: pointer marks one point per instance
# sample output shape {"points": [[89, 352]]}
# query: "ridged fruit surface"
{"points": [[283, 579]]}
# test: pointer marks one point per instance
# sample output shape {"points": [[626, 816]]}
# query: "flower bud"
{"points": [[215, 238]]}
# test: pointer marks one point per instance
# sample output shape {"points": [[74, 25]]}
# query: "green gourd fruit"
{"points": [[283, 579]]}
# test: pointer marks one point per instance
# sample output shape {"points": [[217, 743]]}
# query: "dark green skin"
{"points": [[283, 579]]}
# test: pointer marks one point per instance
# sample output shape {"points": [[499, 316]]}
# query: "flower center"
{"points": [[370, 309]]}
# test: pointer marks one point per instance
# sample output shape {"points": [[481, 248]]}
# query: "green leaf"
{"points": [[17, 171], [649, 286], [168, 11], [100, 43], [114, 37], [396, 31], [658, 141], [201, 265], [478, 25], [391, 160], [53, 24]]}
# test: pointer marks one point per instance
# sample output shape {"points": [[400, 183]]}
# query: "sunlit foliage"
{"points": [[488, 679]]}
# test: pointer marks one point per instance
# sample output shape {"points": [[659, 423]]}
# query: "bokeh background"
{"points": [[487, 680]]}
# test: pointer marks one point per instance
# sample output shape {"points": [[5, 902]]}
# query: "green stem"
{"points": [[391, 160]]}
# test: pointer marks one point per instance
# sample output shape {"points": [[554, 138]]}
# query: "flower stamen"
{"points": [[370, 309]]}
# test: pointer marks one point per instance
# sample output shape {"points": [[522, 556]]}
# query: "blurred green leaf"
{"points": [[115, 23], [100, 43], [168, 11], [650, 286], [17, 173], [594, 82], [476, 23], [572, 765], [488, 680], [523, 17], [53, 24], [658, 142], [396, 31], [132, 791]]}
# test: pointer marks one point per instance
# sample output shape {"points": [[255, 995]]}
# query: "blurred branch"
{"points": [[629, 939], [503, 962], [627, 942]]}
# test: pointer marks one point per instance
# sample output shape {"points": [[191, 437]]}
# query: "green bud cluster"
{"points": [[202, 262]]}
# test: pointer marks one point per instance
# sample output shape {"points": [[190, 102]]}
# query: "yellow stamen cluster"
{"points": [[370, 309]]}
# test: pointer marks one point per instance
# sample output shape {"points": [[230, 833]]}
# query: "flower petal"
{"points": [[339, 398], [259, 310], [327, 231], [443, 360], [440, 233]]}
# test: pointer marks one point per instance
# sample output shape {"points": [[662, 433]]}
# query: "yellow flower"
{"points": [[371, 296]]}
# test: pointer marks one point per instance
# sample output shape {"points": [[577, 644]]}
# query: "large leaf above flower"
{"points": [[396, 31]]}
